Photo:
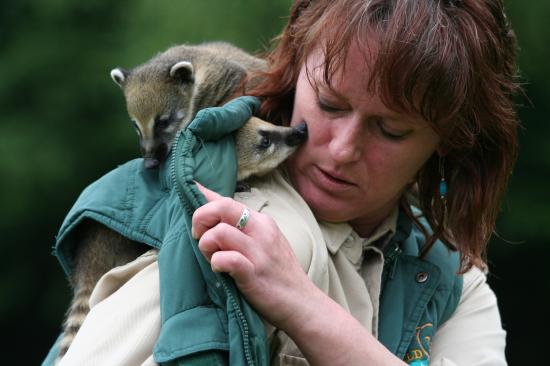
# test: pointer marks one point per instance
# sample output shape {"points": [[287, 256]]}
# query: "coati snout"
{"points": [[152, 158], [262, 146], [298, 136]]}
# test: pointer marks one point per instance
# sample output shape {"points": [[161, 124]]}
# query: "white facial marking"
{"points": [[137, 128], [180, 114], [150, 127]]}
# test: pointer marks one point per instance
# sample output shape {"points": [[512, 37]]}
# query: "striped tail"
{"points": [[75, 317], [98, 250]]}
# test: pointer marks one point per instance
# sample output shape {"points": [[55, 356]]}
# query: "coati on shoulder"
{"points": [[162, 96]]}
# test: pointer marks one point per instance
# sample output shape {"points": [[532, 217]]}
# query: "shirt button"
{"points": [[348, 242], [422, 277]]}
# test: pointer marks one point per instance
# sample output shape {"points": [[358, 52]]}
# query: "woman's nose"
{"points": [[347, 141]]}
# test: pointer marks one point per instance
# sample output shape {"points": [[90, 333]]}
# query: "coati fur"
{"points": [[162, 96]]}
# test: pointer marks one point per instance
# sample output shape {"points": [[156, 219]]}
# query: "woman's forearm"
{"points": [[326, 334]]}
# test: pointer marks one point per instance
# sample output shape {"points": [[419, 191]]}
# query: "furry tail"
{"points": [[76, 314], [98, 250]]}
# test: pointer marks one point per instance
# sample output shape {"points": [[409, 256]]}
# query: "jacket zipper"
{"points": [[240, 318], [177, 152]]}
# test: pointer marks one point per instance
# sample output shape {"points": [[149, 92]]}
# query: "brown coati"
{"points": [[162, 96]]}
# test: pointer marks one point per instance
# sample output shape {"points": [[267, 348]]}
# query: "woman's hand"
{"points": [[257, 256], [263, 265]]}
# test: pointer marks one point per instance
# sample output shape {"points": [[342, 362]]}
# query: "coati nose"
{"points": [[153, 159], [298, 135]]}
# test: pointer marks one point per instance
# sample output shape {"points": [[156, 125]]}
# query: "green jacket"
{"points": [[155, 207], [417, 295]]}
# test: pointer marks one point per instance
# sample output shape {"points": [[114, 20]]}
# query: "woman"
{"points": [[407, 103]]}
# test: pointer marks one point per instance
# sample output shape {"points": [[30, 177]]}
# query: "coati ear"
{"points": [[119, 76], [182, 71]]}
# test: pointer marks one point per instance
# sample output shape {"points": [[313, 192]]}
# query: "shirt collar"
{"points": [[340, 236]]}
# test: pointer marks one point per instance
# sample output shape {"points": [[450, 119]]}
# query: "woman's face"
{"points": [[360, 155]]}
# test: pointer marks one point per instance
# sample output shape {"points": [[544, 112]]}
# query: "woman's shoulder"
{"points": [[275, 197], [273, 194], [474, 331]]}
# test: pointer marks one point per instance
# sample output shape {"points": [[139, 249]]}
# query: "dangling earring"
{"points": [[443, 187], [442, 182]]}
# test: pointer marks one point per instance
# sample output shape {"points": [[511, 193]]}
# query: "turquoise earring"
{"points": [[443, 188], [442, 182]]}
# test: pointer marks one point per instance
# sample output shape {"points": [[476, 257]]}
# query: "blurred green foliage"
{"points": [[63, 125], [528, 209]]}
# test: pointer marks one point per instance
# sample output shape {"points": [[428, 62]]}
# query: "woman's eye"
{"points": [[324, 106], [394, 136]]}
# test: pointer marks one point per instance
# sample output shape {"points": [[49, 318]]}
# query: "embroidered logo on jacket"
{"points": [[419, 351]]}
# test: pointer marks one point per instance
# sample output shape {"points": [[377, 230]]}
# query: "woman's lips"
{"points": [[331, 181]]}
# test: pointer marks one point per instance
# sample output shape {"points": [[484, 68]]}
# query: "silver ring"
{"points": [[243, 219]]}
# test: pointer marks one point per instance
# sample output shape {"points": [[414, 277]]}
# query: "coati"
{"points": [[162, 96]]}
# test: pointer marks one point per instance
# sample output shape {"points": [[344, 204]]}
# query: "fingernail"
{"points": [[193, 233]]}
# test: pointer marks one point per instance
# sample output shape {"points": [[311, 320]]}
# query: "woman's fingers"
{"points": [[220, 226], [224, 211], [228, 250], [210, 195], [235, 240], [219, 209], [235, 264], [222, 237]]}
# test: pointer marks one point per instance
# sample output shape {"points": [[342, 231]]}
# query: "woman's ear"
{"points": [[442, 151]]}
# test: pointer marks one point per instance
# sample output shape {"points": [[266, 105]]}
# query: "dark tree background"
{"points": [[63, 124]]}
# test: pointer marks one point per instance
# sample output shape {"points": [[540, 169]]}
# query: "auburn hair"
{"points": [[450, 62]]}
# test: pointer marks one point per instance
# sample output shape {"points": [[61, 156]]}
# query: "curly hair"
{"points": [[451, 62]]}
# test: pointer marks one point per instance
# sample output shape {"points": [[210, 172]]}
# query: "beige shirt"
{"points": [[124, 321]]}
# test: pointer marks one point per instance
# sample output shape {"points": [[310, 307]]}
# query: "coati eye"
{"points": [[162, 123], [265, 142]]}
